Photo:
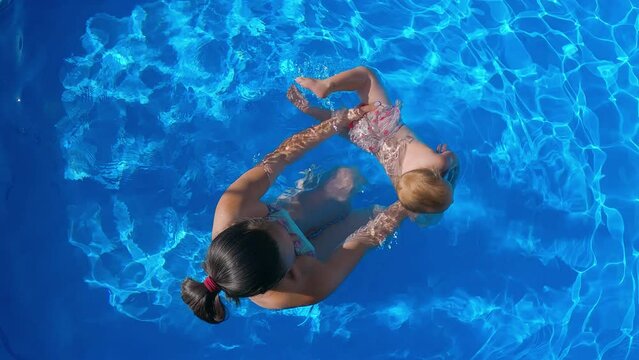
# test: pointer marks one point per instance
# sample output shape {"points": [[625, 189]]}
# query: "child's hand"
{"points": [[441, 148], [297, 99], [366, 108]]}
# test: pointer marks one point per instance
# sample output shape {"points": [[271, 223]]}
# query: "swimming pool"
{"points": [[118, 138]]}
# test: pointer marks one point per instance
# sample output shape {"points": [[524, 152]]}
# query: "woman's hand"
{"points": [[383, 224], [358, 112]]}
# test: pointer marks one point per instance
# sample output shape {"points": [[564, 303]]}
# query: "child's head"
{"points": [[424, 191]]}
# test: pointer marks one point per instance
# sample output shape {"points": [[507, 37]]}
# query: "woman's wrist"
{"points": [[344, 117], [339, 119]]}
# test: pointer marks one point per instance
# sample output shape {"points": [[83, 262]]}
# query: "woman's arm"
{"points": [[344, 259], [292, 148], [327, 276], [241, 198]]}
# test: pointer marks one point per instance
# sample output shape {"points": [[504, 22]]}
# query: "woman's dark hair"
{"points": [[243, 260]]}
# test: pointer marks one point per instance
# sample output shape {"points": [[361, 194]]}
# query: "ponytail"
{"points": [[243, 260], [205, 304]]}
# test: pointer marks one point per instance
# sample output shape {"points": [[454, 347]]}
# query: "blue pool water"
{"points": [[121, 125]]}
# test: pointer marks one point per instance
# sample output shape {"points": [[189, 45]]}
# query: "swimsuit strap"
{"points": [[272, 209], [304, 247]]}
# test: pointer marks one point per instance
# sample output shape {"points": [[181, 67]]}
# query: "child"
{"points": [[423, 178]]}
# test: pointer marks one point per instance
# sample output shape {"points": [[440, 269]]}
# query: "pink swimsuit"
{"points": [[375, 127], [375, 133]]}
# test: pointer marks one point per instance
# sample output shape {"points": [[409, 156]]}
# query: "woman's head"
{"points": [[244, 260]]}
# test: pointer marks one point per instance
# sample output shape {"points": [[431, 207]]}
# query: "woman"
{"points": [[286, 257]]}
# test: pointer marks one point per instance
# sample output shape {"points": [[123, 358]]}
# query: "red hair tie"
{"points": [[211, 286]]}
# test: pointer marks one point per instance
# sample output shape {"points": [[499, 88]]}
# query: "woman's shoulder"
{"points": [[293, 289], [267, 300], [228, 213]]}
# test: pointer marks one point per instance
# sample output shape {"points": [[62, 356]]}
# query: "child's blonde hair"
{"points": [[424, 191]]}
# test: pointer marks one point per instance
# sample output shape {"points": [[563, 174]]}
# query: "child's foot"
{"points": [[318, 87]]}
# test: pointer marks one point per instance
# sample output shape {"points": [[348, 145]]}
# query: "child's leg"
{"points": [[300, 102], [320, 114], [359, 79]]}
